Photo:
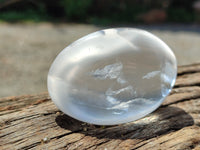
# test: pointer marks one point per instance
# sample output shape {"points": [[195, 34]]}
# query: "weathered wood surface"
{"points": [[34, 122]]}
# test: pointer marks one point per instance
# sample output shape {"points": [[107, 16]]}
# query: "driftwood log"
{"points": [[34, 122]]}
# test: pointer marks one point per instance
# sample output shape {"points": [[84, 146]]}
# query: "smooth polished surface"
{"points": [[112, 76]]}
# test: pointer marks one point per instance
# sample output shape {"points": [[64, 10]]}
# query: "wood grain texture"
{"points": [[34, 122]]}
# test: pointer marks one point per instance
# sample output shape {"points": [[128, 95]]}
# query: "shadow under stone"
{"points": [[160, 122]]}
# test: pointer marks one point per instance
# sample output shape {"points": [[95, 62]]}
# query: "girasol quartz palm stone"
{"points": [[112, 76]]}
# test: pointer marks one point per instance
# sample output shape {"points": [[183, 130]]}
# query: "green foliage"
{"points": [[100, 21], [180, 15], [29, 15], [76, 9], [124, 12], [24, 11], [101, 12]]}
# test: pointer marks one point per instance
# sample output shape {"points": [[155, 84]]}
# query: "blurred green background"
{"points": [[100, 12]]}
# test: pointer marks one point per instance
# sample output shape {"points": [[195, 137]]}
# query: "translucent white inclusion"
{"points": [[150, 74], [110, 71]]}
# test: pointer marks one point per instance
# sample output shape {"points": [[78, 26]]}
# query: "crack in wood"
{"points": [[30, 146], [188, 72], [71, 143], [181, 100], [178, 86]]}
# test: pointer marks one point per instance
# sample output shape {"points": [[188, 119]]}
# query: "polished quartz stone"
{"points": [[112, 76]]}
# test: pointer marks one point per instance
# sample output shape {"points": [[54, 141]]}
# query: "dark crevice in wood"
{"points": [[30, 146], [21, 141], [24, 117], [9, 112], [99, 144], [185, 89], [15, 141], [14, 125], [195, 112], [67, 146], [140, 145], [62, 135], [189, 68], [189, 72], [6, 134], [190, 85], [182, 100], [19, 102], [49, 113], [117, 145], [27, 118]]}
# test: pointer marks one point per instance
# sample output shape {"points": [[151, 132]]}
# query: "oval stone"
{"points": [[112, 76]]}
